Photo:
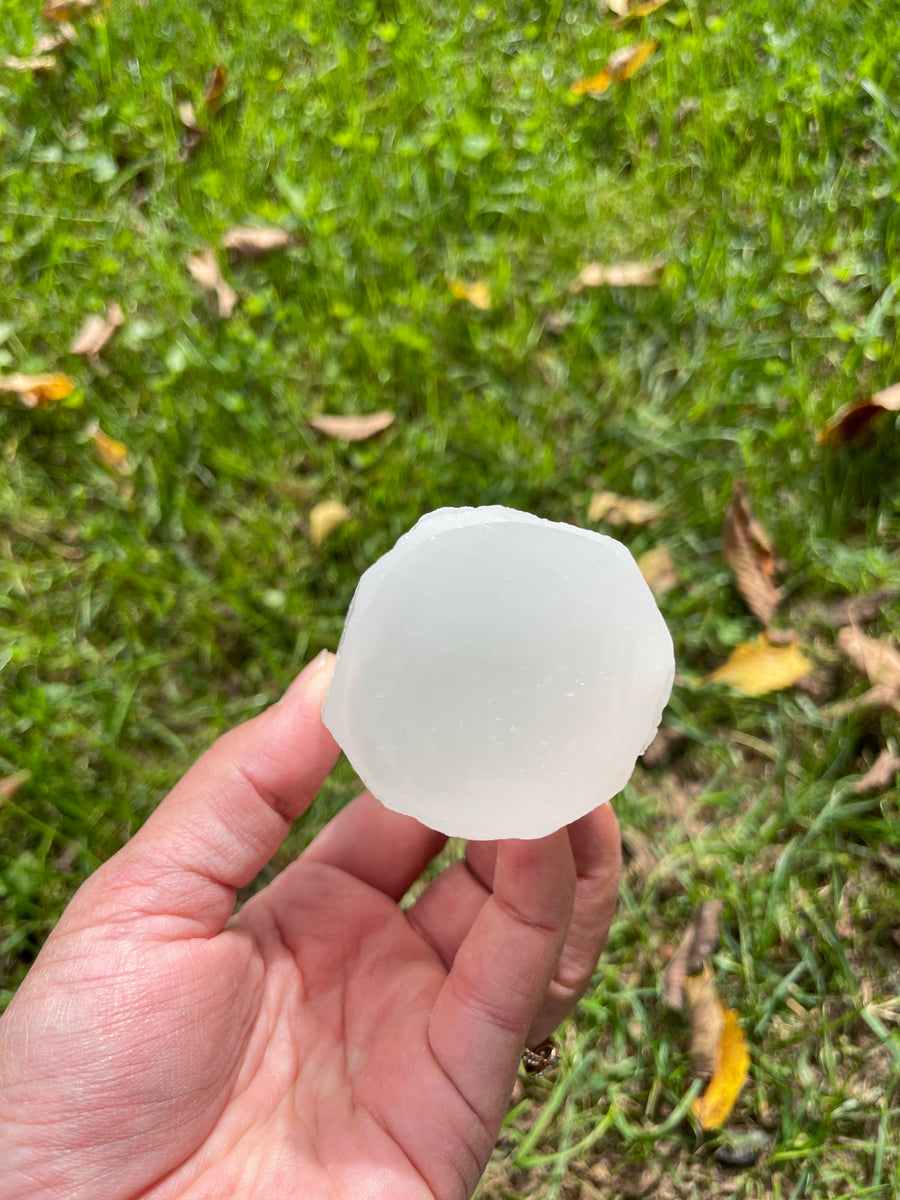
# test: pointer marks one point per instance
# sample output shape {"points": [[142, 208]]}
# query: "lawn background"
{"points": [[408, 146]]}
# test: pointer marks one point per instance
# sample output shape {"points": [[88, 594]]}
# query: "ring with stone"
{"points": [[541, 1059]]}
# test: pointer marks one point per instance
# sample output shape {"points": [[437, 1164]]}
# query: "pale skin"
{"points": [[320, 1043]]}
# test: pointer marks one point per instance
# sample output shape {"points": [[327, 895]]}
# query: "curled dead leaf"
{"points": [[96, 332], [707, 1021], [37, 63], [857, 610], [250, 241], [658, 569], [622, 510], [37, 391], [65, 10], [622, 64], [477, 293], [112, 453], [713, 1108], [749, 552], [626, 274], [193, 132], [877, 658], [700, 940], [850, 420], [880, 775], [220, 298], [633, 10], [326, 517], [761, 666], [50, 43], [352, 428], [216, 83]]}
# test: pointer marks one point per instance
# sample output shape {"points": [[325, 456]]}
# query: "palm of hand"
{"points": [[323, 1043], [264, 1061]]}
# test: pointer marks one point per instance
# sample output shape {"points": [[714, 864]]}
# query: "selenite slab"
{"points": [[499, 674]]}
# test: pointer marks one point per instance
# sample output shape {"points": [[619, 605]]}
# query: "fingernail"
{"points": [[314, 680]]}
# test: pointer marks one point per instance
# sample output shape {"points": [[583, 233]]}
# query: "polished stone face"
{"points": [[499, 674]]}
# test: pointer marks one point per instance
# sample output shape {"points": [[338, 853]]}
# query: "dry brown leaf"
{"points": [[220, 298], [699, 941], [49, 43], [193, 132], [37, 391], [96, 332], [352, 428], [65, 10], [622, 64], [857, 610], [880, 775], [749, 552], [621, 510], [626, 274], [326, 517], [112, 453], [216, 83], [760, 666], [877, 658], [850, 420], [658, 569], [634, 11], [477, 293], [250, 241], [11, 784], [556, 322], [712, 1109], [707, 1021], [37, 63]]}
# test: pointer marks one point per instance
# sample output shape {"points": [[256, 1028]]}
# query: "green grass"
{"points": [[406, 146]]}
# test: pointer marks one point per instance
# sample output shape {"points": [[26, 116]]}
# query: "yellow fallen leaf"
{"points": [[621, 510], [353, 427], [761, 666], [37, 391], [324, 518], [732, 1063], [112, 453], [478, 293], [622, 64]]}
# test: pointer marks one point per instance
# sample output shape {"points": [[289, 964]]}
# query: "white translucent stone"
{"points": [[499, 674]]}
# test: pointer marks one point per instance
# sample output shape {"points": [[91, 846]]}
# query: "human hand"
{"points": [[319, 1043]]}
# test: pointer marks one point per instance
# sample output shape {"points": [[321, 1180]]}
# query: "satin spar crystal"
{"points": [[499, 674]]}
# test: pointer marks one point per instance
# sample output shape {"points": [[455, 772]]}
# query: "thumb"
{"points": [[225, 819]]}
